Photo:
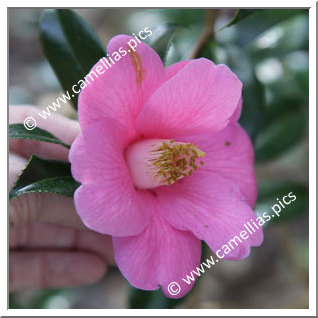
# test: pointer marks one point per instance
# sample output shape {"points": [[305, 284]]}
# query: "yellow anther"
{"points": [[173, 161]]}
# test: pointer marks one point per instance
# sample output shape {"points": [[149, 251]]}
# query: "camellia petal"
{"points": [[213, 209], [159, 256], [230, 154], [118, 209], [107, 201], [201, 97], [237, 114], [176, 68], [120, 91]]}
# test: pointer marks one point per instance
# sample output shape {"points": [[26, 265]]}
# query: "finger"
{"points": [[43, 207], [52, 236], [62, 127], [16, 165], [45, 269]]}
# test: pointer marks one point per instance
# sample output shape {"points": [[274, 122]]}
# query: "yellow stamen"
{"points": [[173, 161]]}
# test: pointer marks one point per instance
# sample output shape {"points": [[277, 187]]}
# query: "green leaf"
{"points": [[239, 15], [85, 45], [38, 169], [260, 21], [162, 39], [62, 185], [280, 135], [70, 45], [18, 131], [41, 175], [58, 52], [270, 191]]}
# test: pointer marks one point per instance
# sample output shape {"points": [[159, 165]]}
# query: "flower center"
{"points": [[158, 162]]}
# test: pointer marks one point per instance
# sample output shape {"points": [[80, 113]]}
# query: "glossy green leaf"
{"points": [[239, 15], [280, 135], [162, 39], [18, 131], [270, 191], [41, 175], [62, 185], [85, 45], [70, 45], [58, 52]]}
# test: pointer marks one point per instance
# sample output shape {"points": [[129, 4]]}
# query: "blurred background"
{"points": [[268, 50]]}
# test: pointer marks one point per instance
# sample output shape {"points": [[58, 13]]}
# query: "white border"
{"points": [[166, 3], [312, 166], [312, 156]]}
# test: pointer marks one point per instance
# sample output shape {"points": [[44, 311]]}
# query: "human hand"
{"points": [[49, 245]]}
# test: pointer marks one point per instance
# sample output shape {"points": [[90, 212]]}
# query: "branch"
{"points": [[208, 32]]}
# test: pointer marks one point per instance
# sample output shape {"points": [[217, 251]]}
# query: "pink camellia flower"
{"points": [[163, 164]]}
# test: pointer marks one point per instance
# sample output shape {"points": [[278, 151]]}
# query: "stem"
{"points": [[208, 32]]}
